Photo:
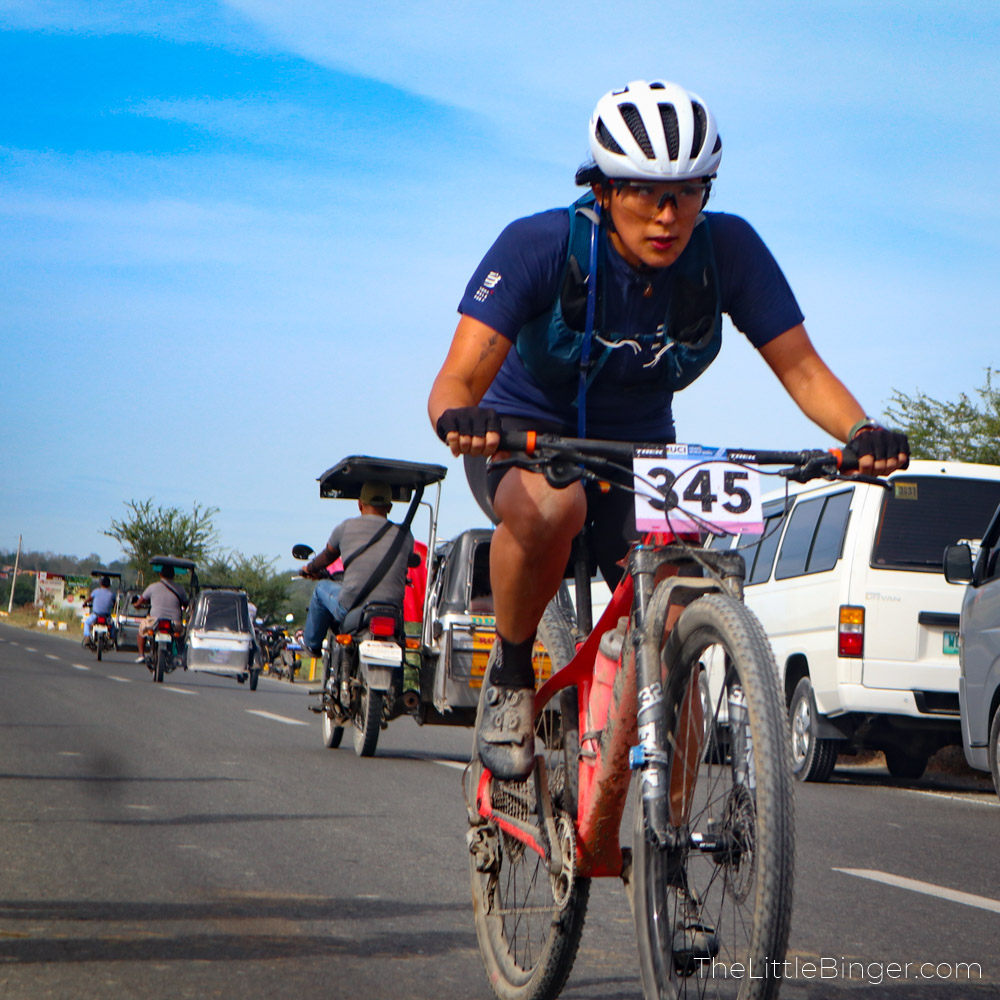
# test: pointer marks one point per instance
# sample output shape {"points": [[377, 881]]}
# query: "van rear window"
{"points": [[923, 514]]}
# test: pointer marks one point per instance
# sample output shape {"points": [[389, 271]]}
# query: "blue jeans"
{"points": [[325, 611]]}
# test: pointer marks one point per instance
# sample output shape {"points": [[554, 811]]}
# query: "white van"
{"points": [[850, 590]]}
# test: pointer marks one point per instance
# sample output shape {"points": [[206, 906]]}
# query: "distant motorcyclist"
{"points": [[165, 600], [100, 602], [355, 541]]}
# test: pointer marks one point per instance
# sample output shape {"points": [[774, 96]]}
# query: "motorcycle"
{"points": [[163, 651], [363, 663], [278, 650], [162, 654], [100, 636]]}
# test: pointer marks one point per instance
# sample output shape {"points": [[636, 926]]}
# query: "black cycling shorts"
{"points": [[610, 524]]}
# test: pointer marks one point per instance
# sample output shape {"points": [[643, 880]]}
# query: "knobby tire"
{"points": [[527, 940], [740, 894]]}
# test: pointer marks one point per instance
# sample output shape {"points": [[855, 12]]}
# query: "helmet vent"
{"points": [[718, 144], [606, 139], [698, 139], [668, 116], [634, 121]]}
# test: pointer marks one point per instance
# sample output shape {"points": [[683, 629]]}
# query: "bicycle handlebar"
{"points": [[803, 465]]}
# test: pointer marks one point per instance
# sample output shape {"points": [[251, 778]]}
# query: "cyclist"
{"points": [[586, 322]]}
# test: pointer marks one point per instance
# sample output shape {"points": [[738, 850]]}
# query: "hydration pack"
{"points": [[552, 345]]}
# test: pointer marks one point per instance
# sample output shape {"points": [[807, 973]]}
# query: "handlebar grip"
{"points": [[847, 460], [518, 441]]}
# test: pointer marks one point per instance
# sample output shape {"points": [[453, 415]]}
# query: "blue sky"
{"points": [[233, 235]]}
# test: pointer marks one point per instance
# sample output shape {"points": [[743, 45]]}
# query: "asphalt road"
{"points": [[195, 839]]}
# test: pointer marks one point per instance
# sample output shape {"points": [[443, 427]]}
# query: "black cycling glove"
{"points": [[472, 420], [880, 443]]}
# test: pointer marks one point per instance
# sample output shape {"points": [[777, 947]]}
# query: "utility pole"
{"points": [[13, 580]]}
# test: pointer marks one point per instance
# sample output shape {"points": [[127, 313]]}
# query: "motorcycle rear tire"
{"points": [[161, 663], [100, 648], [367, 722], [254, 674]]}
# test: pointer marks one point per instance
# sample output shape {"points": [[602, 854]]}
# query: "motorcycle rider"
{"points": [[165, 600], [100, 602], [611, 307], [355, 541]]}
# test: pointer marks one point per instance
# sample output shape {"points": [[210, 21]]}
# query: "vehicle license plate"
{"points": [[950, 643], [703, 485], [372, 648]]}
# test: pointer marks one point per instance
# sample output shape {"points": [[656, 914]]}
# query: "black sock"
{"points": [[515, 668]]}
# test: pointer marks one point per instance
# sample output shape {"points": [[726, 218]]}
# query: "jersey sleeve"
{"points": [[755, 292], [518, 279]]}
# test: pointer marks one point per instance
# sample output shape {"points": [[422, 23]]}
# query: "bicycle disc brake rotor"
{"points": [[740, 822]]}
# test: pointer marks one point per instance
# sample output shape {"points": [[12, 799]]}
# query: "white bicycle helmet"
{"points": [[654, 131]]}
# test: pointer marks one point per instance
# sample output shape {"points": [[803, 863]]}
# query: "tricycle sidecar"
{"points": [[220, 636]]}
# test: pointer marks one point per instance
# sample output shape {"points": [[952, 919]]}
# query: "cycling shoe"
{"points": [[505, 736]]}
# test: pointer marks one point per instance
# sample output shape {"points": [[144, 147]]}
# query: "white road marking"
{"points": [[977, 800], [121, 680], [277, 718], [452, 763], [928, 888], [69, 753], [49, 656], [138, 807], [30, 649], [175, 690], [79, 666]]}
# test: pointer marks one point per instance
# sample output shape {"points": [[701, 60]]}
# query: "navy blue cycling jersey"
{"points": [[519, 279]]}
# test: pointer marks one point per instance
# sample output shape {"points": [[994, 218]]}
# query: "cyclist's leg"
{"points": [[528, 557]]}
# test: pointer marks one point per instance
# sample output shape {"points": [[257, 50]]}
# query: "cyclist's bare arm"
{"points": [[477, 351], [821, 396]]}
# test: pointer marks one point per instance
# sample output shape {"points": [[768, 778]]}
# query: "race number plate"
{"points": [[700, 488]]}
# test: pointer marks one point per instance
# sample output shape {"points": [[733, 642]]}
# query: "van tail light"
{"points": [[851, 633], [380, 625]]}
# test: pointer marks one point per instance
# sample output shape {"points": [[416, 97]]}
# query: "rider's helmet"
{"points": [[654, 131]]}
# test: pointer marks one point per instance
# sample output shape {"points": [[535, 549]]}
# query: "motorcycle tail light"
{"points": [[382, 626], [164, 626], [851, 633], [101, 620]]}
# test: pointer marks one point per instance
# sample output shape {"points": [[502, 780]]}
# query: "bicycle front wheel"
{"points": [[713, 908], [528, 920]]}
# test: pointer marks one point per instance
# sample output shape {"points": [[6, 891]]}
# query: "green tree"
{"points": [[256, 575], [962, 431], [147, 531]]}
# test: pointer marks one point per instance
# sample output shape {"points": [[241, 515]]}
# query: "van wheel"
{"points": [[904, 765], [994, 751], [813, 759]]}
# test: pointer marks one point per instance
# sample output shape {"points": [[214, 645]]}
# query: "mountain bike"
{"points": [[676, 685]]}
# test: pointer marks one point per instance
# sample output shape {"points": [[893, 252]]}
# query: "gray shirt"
{"points": [[163, 601], [348, 537]]}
